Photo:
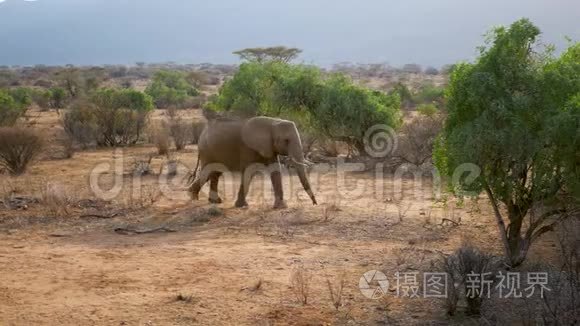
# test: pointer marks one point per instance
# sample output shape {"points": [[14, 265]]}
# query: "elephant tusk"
{"points": [[297, 163], [312, 197]]}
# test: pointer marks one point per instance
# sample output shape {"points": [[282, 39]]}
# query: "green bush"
{"points": [[58, 97], [428, 110], [80, 124], [170, 88], [404, 94], [10, 110], [110, 117], [429, 94], [42, 98], [346, 111], [515, 114], [334, 107], [22, 96]]}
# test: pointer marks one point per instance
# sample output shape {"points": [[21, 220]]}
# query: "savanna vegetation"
{"points": [[515, 115], [501, 132]]}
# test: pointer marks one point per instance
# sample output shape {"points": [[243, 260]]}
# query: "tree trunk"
{"points": [[500, 223]]}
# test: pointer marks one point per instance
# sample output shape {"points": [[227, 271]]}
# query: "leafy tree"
{"points": [[346, 111], [57, 97], [334, 107], [448, 69], [42, 98], [170, 88], [115, 117], [272, 88], [515, 113], [276, 53], [22, 96]]}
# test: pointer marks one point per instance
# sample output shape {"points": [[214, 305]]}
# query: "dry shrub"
{"points": [[184, 297], [331, 211], [196, 102], [161, 137], [57, 200], [416, 139], [300, 282], [400, 256], [79, 124], [561, 305], [68, 148], [180, 131], [458, 266], [142, 166], [171, 112], [308, 141], [18, 148], [141, 198], [196, 130], [328, 147]]}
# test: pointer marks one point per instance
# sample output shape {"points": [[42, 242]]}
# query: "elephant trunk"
{"points": [[300, 163]]}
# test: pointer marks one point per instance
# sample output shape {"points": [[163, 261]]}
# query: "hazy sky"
{"points": [[429, 32]]}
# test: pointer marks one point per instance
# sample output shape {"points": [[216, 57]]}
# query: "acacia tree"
{"points": [[515, 113], [275, 53]]}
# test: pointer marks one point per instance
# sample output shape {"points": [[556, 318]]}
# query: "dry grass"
{"points": [[141, 198], [180, 132], [335, 290], [330, 212], [68, 148], [57, 200], [402, 209], [160, 136], [300, 279], [142, 166]]}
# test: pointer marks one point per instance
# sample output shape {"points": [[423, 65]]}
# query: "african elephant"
{"points": [[243, 145]]}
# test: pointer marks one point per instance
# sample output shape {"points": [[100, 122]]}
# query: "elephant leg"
{"points": [[244, 186], [214, 197], [276, 177], [197, 184]]}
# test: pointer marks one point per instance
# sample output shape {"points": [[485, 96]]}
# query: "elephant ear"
{"points": [[257, 135]]}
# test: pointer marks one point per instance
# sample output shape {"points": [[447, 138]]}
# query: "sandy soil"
{"points": [[220, 265]]}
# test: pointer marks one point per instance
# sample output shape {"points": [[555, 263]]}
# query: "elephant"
{"points": [[241, 146]]}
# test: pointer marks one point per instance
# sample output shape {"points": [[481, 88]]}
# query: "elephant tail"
{"points": [[193, 174]]}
